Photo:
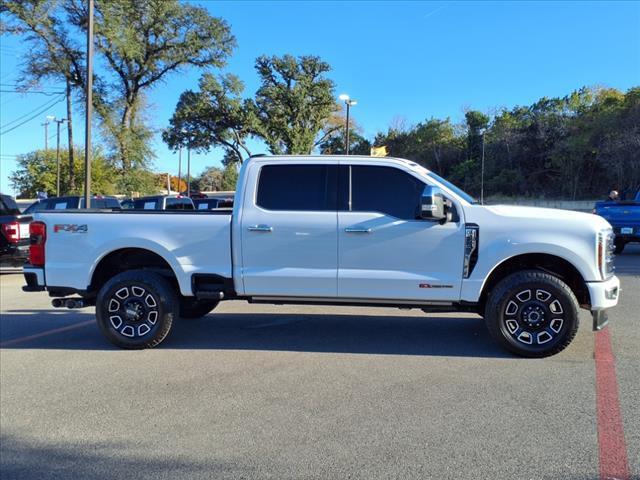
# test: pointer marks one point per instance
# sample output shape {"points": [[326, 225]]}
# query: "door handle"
{"points": [[357, 230], [260, 228]]}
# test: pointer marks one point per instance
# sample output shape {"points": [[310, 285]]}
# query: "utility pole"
{"points": [[482, 170], [46, 135], [168, 183], [89, 108], [60, 121], [46, 123], [179, 169]]}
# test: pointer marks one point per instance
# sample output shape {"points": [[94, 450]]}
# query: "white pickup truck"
{"points": [[338, 230]]}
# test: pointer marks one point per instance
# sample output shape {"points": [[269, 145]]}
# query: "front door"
{"points": [[385, 250], [289, 231]]}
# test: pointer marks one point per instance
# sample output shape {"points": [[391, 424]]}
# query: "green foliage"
{"points": [[294, 102], [216, 179], [214, 116], [137, 180], [36, 172], [138, 44], [578, 146]]}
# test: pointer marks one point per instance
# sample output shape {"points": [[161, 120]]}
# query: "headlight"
{"points": [[604, 253]]}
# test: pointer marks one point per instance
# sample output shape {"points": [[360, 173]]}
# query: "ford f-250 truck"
{"points": [[624, 217], [341, 230]]}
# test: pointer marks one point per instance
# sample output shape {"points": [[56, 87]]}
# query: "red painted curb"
{"points": [[614, 464]]}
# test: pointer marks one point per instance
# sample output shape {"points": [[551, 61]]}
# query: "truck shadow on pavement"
{"points": [[360, 334]]}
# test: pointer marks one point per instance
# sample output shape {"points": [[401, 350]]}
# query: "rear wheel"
{"points": [[192, 308], [136, 309], [532, 314]]}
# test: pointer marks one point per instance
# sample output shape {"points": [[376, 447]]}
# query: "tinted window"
{"points": [[179, 204], [385, 190], [61, 203], [206, 204], [34, 207], [8, 206], [297, 187], [145, 203]]}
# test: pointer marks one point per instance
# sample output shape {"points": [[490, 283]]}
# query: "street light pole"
{"points": [[349, 103], [89, 107], [58, 122]]}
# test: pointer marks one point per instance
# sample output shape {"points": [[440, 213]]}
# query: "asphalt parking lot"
{"points": [[309, 392]]}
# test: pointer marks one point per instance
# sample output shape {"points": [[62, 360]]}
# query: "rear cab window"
{"points": [[298, 187], [178, 204]]}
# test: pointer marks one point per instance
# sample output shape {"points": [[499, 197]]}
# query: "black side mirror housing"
{"points": [[432, 205]]}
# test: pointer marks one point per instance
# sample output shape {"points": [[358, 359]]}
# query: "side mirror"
{"points": [[432, 205]]}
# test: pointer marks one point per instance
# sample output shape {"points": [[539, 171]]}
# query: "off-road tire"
{"points": [[136, 309], [532, 314]]}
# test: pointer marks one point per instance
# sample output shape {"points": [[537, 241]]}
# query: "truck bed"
{"points": [[189, 241]]}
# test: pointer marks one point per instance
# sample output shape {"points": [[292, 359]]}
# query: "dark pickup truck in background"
{"points": [[72, 202], [624, 217], [14, 234]]}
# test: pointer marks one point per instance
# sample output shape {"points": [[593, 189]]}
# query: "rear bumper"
{"points": [[604, 295], [34, 279]]}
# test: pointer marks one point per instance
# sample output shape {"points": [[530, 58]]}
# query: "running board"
{"points": [[349, 301]]}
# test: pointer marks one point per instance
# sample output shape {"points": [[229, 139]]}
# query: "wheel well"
{"points": [[551, 264], [129, 259]]}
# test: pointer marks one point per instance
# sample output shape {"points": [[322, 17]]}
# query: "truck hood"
{"points": [[548, 217]]}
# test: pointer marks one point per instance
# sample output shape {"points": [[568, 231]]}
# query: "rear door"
{"points": [[288, 230]]}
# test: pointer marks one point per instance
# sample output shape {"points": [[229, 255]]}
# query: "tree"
{"points": [[216, 115], [294, 102], [54, 54], [36, 172], [211, 179]]}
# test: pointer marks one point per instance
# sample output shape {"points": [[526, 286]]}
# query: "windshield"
{"points": [[452, 187]]}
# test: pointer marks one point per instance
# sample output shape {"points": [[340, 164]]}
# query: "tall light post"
{"points": [[349, 103], [46, 123], [58, 122], [482, 132]]}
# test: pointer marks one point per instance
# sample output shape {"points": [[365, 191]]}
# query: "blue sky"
{"points": [[400, 60]]}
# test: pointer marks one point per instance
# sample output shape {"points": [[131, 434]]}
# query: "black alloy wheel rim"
{"points": [[533, 318], [133, 311]]}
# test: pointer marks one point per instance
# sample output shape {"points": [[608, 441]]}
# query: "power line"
{"points": [[31, 91], [45, 105], [34, 116]]}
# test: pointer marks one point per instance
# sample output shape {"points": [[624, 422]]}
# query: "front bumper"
{"points": [[604, 295]]}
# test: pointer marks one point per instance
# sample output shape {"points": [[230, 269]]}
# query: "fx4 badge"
{"points": [[70, 227]]}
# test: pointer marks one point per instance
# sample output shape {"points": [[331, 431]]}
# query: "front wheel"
{"points": [[532, 314], [136, 308]]}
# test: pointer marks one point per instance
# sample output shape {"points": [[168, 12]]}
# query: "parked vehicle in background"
{"points": [[341, 230], [225, 199], [624, 217], [163, 202], [72, 202], [127, 204], [14, 234]]}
